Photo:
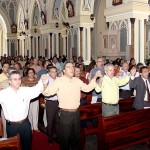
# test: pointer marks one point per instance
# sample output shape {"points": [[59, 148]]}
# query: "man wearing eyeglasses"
{"points": [[68, 90], [15, 104], [97, 97]]}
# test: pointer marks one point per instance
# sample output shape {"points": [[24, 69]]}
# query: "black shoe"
{"points": [[50, 141], [56, 140]]}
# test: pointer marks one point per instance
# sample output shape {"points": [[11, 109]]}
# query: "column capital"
{"points": [[81, 28], [132, 20], [92, 29]]}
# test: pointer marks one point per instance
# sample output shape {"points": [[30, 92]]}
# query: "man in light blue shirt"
{"points": [[99, 67], [52, 109], [125, 91]]}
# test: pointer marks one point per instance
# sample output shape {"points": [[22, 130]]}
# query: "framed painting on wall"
{"points": [[14, 28], [116, 2]]}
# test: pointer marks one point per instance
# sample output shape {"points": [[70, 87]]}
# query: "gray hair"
{"points": [[100, 57], [12, 73], [107, 66]]}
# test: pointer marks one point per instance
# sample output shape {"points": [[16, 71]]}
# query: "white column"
{"points": [[57, 44], [129, 32], [27, 44], [64, 45], [41, 46], [53, 45], [136, 40], [48, 55], [33, 48], [44, 45], [37, 48], [29, 47], [88, 47], [22, 51], [9, 48], [78, 42], [142, 41], [83, 44]]}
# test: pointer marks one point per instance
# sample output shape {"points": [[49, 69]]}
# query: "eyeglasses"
{"points": [[15, 79], [69, 67]]}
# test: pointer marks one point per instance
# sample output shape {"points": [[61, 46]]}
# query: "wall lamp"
{"points": [[92, 17], [35, 30], [22, 33], [67, 25], [56, 24]]}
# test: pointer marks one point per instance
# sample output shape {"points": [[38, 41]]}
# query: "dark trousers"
{"points": [[24, 130], [70, 130], [52, 117], [125, 93]]}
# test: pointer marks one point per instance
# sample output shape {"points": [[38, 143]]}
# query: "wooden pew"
{"points": [[1, 127], [124, 130], [93, 111], [12, 143], [125, 105]]}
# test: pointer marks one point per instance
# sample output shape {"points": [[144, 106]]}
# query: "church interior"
{"points": [[83, 29]]}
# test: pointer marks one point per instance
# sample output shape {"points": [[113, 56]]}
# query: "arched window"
{"points": [[36, 15], [12, 12], [123, 37]]}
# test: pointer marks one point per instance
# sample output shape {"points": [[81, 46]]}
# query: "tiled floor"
{"points": [[91, 144]]}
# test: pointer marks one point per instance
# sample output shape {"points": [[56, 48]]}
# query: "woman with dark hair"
{"points": [[31, 81], [132, 62]]}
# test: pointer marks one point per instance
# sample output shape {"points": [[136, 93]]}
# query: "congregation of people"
{"points": [[61, 86]]}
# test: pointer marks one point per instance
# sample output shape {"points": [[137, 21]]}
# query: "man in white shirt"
{"points": [[15, 104], [125, 91]]}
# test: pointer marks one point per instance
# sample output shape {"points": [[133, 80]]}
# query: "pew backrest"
{"points": [[90, 111], [125, 129], [126, 104], [1, 127]]}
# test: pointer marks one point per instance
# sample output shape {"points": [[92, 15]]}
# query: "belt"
{"points": [[110, 104], [48, 100], [16, 122], [69, 110], [126, 90]]}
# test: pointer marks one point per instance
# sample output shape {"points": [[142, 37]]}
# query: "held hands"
{"points": [[98, 74], [44, 79], [120, 73]]}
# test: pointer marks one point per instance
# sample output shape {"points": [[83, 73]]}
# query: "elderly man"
{"points": [[109, 86], [15, 104]]}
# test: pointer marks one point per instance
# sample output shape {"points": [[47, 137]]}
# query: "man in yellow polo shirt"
{"points": [[109, 86]]}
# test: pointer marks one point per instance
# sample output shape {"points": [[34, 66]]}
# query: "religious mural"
{"points": [[116, 2], [56, 9], [87, 5], [70, 8], [36, 15], [43, 17], [21, 22]]}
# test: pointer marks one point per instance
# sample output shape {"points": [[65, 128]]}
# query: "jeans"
{"points": [[109, 110]]}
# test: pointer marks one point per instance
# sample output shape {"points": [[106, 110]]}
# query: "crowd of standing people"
{"points": [[65, 85]]}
